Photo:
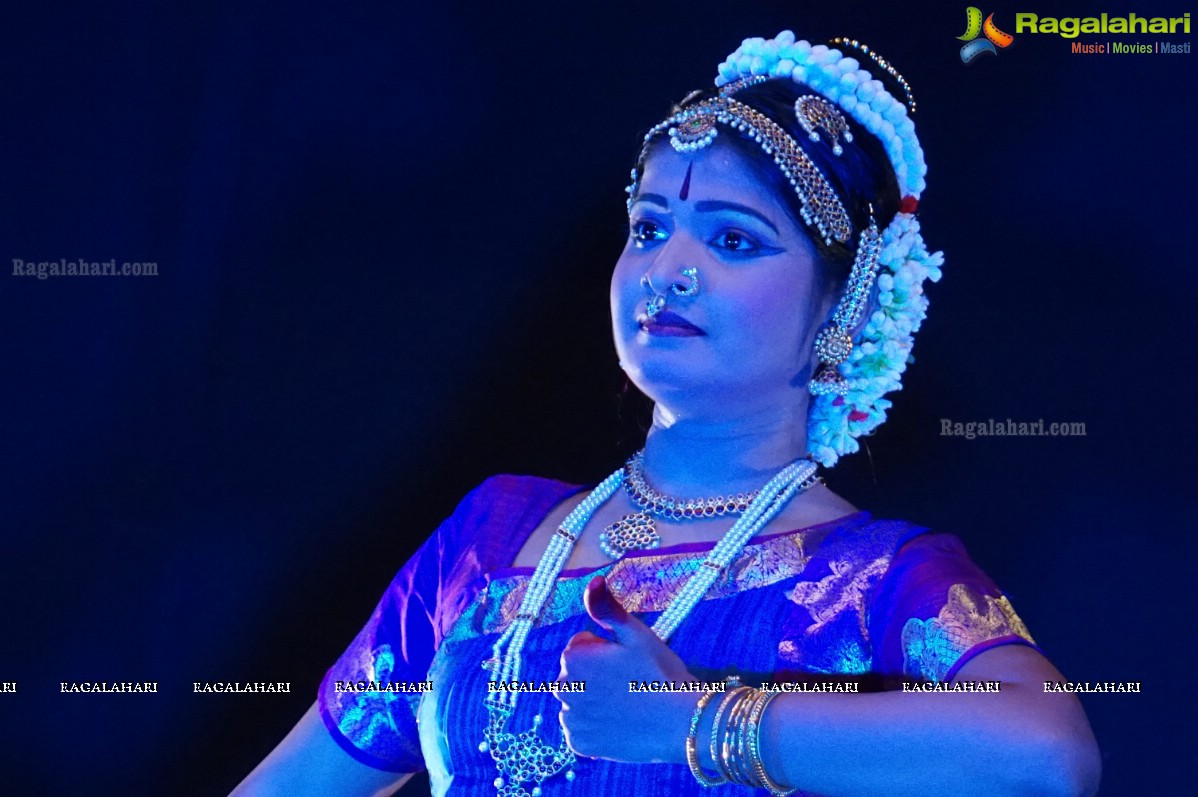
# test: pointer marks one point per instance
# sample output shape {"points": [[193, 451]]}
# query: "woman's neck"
{"points": [[693, 457]]}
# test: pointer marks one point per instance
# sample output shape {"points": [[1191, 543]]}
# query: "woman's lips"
{"points": [[669, 325]]}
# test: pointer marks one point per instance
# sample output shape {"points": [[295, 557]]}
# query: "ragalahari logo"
{"points": [[993, 36]]}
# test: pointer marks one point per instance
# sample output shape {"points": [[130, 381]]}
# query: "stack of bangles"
{"points": [[735, 739]]}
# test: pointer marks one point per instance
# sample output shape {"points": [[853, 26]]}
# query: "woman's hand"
{"points": [[608, 721]]}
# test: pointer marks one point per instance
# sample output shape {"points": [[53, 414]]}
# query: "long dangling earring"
{"points": [[834, 342]]}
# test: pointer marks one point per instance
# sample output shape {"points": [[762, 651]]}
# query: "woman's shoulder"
{"points": [[919, 561], [911, 541], [516, 495], [524, 483], [866, 536], [500, 513]]}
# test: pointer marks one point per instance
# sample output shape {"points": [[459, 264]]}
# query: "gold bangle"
{"points": [[754, 744], [715, 730], [733, 750], [745, 739], [692, 745]]}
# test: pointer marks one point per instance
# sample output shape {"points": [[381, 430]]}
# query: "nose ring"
{"points": [[691, 273], [657, 302]]}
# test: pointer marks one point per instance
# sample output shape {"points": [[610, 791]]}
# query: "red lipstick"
{"points": [[668, 324]]}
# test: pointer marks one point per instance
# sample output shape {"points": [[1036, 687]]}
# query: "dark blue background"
{"points": [[384, 234]]}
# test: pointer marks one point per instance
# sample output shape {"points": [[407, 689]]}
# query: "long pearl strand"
{"points": [[524, 758], [792, 479]]}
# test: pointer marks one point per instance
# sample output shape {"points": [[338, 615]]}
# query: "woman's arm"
{"points": [[1020, 741], [308, 763]]}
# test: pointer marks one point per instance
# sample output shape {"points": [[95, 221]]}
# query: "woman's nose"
{"points": [[673, 270], [677, 279]]}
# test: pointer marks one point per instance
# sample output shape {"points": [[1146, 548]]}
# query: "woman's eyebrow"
{"points": [[653, 199], [713, 205]]}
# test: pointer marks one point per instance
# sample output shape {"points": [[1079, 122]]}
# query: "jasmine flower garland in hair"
{"points": [[883, 348], [841, 80]]}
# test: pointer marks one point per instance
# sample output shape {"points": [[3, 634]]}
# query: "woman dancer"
{"points": [[756, 629]]}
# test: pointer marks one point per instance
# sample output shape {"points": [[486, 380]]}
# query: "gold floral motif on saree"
{"points": [[932, 646]]}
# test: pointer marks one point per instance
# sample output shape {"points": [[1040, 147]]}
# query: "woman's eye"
{"points": [[735, 242], [644, 232]]}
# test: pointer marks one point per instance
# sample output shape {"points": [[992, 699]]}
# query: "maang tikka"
{"points": [[696, 126]]}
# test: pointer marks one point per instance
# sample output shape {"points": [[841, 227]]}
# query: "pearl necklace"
{"points": [[523, 758]]}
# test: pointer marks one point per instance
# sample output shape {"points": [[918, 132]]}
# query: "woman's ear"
{"points": [[871, 307], [829, 299], [828, 287]]}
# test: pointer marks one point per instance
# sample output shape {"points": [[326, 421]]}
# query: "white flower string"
{"points": [[883, 348], [842, 81], [523, 759]]}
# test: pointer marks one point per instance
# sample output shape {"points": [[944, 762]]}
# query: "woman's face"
{"points": [[746, 337]]}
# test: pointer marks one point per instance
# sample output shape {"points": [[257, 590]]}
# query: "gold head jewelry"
{"points": [[695, 127], [815, 114]]}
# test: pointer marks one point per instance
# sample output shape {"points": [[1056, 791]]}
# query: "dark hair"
{"points": [[861, 176]]}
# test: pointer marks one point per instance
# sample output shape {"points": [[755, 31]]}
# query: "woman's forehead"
{"points": [[714, 172], [709, 173]]}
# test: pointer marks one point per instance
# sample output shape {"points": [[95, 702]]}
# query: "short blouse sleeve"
{"points": [[397, 644], [935, 609]]}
